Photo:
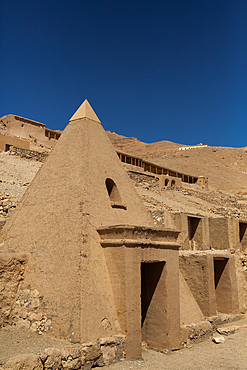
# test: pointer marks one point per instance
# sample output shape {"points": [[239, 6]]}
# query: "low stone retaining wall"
{"points": [[199, 331], [202, 330], [28, 154], [84, 357]]}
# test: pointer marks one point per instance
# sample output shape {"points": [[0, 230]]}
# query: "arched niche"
{"points": [[114, 195]]}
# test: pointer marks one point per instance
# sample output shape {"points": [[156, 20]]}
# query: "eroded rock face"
{"points": [[12, 268], [24, 362]]}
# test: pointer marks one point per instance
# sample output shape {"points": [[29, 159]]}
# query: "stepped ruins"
{"points": [[83, 261]]}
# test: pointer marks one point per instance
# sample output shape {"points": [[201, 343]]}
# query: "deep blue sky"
{"points": [[158, 70]]}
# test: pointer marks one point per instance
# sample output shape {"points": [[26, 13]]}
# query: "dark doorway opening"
{"points": [[7, 147], [193, 223], [222, 285], [153, 303], [219, 266], [242, 229], [150, 276]]}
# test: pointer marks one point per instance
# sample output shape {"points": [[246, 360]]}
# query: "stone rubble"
{"points": [[216, 204], [219, 340], [28, 154], [229, 330], [99, 353], [7, 205]]}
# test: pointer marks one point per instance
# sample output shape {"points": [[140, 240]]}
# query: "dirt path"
{"points": [[14, 341], [231, 355]]}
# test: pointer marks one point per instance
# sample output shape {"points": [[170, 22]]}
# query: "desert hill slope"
{"points": [[136, 147], [225, 168]]}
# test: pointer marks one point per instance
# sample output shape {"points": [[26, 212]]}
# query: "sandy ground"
{"points": [[231, 355], [15, 342]]}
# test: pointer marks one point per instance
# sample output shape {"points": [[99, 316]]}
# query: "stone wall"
{"points": [[7, 206], [12, 268], [28, 154], [98, 353], [27, 312], [23, 309]]}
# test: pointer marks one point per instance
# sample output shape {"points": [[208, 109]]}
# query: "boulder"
{"points": [[28, 361]]}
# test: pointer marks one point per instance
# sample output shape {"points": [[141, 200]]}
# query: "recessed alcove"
{"points": [[222, 282], [115, 198]]}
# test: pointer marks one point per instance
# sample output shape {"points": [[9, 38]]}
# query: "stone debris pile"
{"points": [[28, 154], [214, 203], [99, 353], [7, 205]]}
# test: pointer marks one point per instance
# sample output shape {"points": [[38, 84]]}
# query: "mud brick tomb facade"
{"points": [[91, 262]]}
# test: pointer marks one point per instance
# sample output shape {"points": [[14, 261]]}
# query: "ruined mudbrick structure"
{"points": [[166, 176], [17, 131], [91, 264]]}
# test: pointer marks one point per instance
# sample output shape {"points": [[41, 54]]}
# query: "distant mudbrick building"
{"points": [[19, 130], [90, 266], [166, 176]]}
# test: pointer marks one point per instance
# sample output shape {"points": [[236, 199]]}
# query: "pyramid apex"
{"points": [[85, 111]]}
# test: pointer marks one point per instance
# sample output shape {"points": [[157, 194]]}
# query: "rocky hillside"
{"points": [[16, 174], [226, 168], [136, 147], [201, 203]]}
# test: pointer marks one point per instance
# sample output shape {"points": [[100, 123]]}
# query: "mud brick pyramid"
{"points": [[84, 229]]}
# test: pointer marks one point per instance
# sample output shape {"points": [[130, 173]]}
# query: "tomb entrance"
{"points": [[222, 284], [211, 278], [153, 300], [143, 266], [243, 235], [195, 233]]}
